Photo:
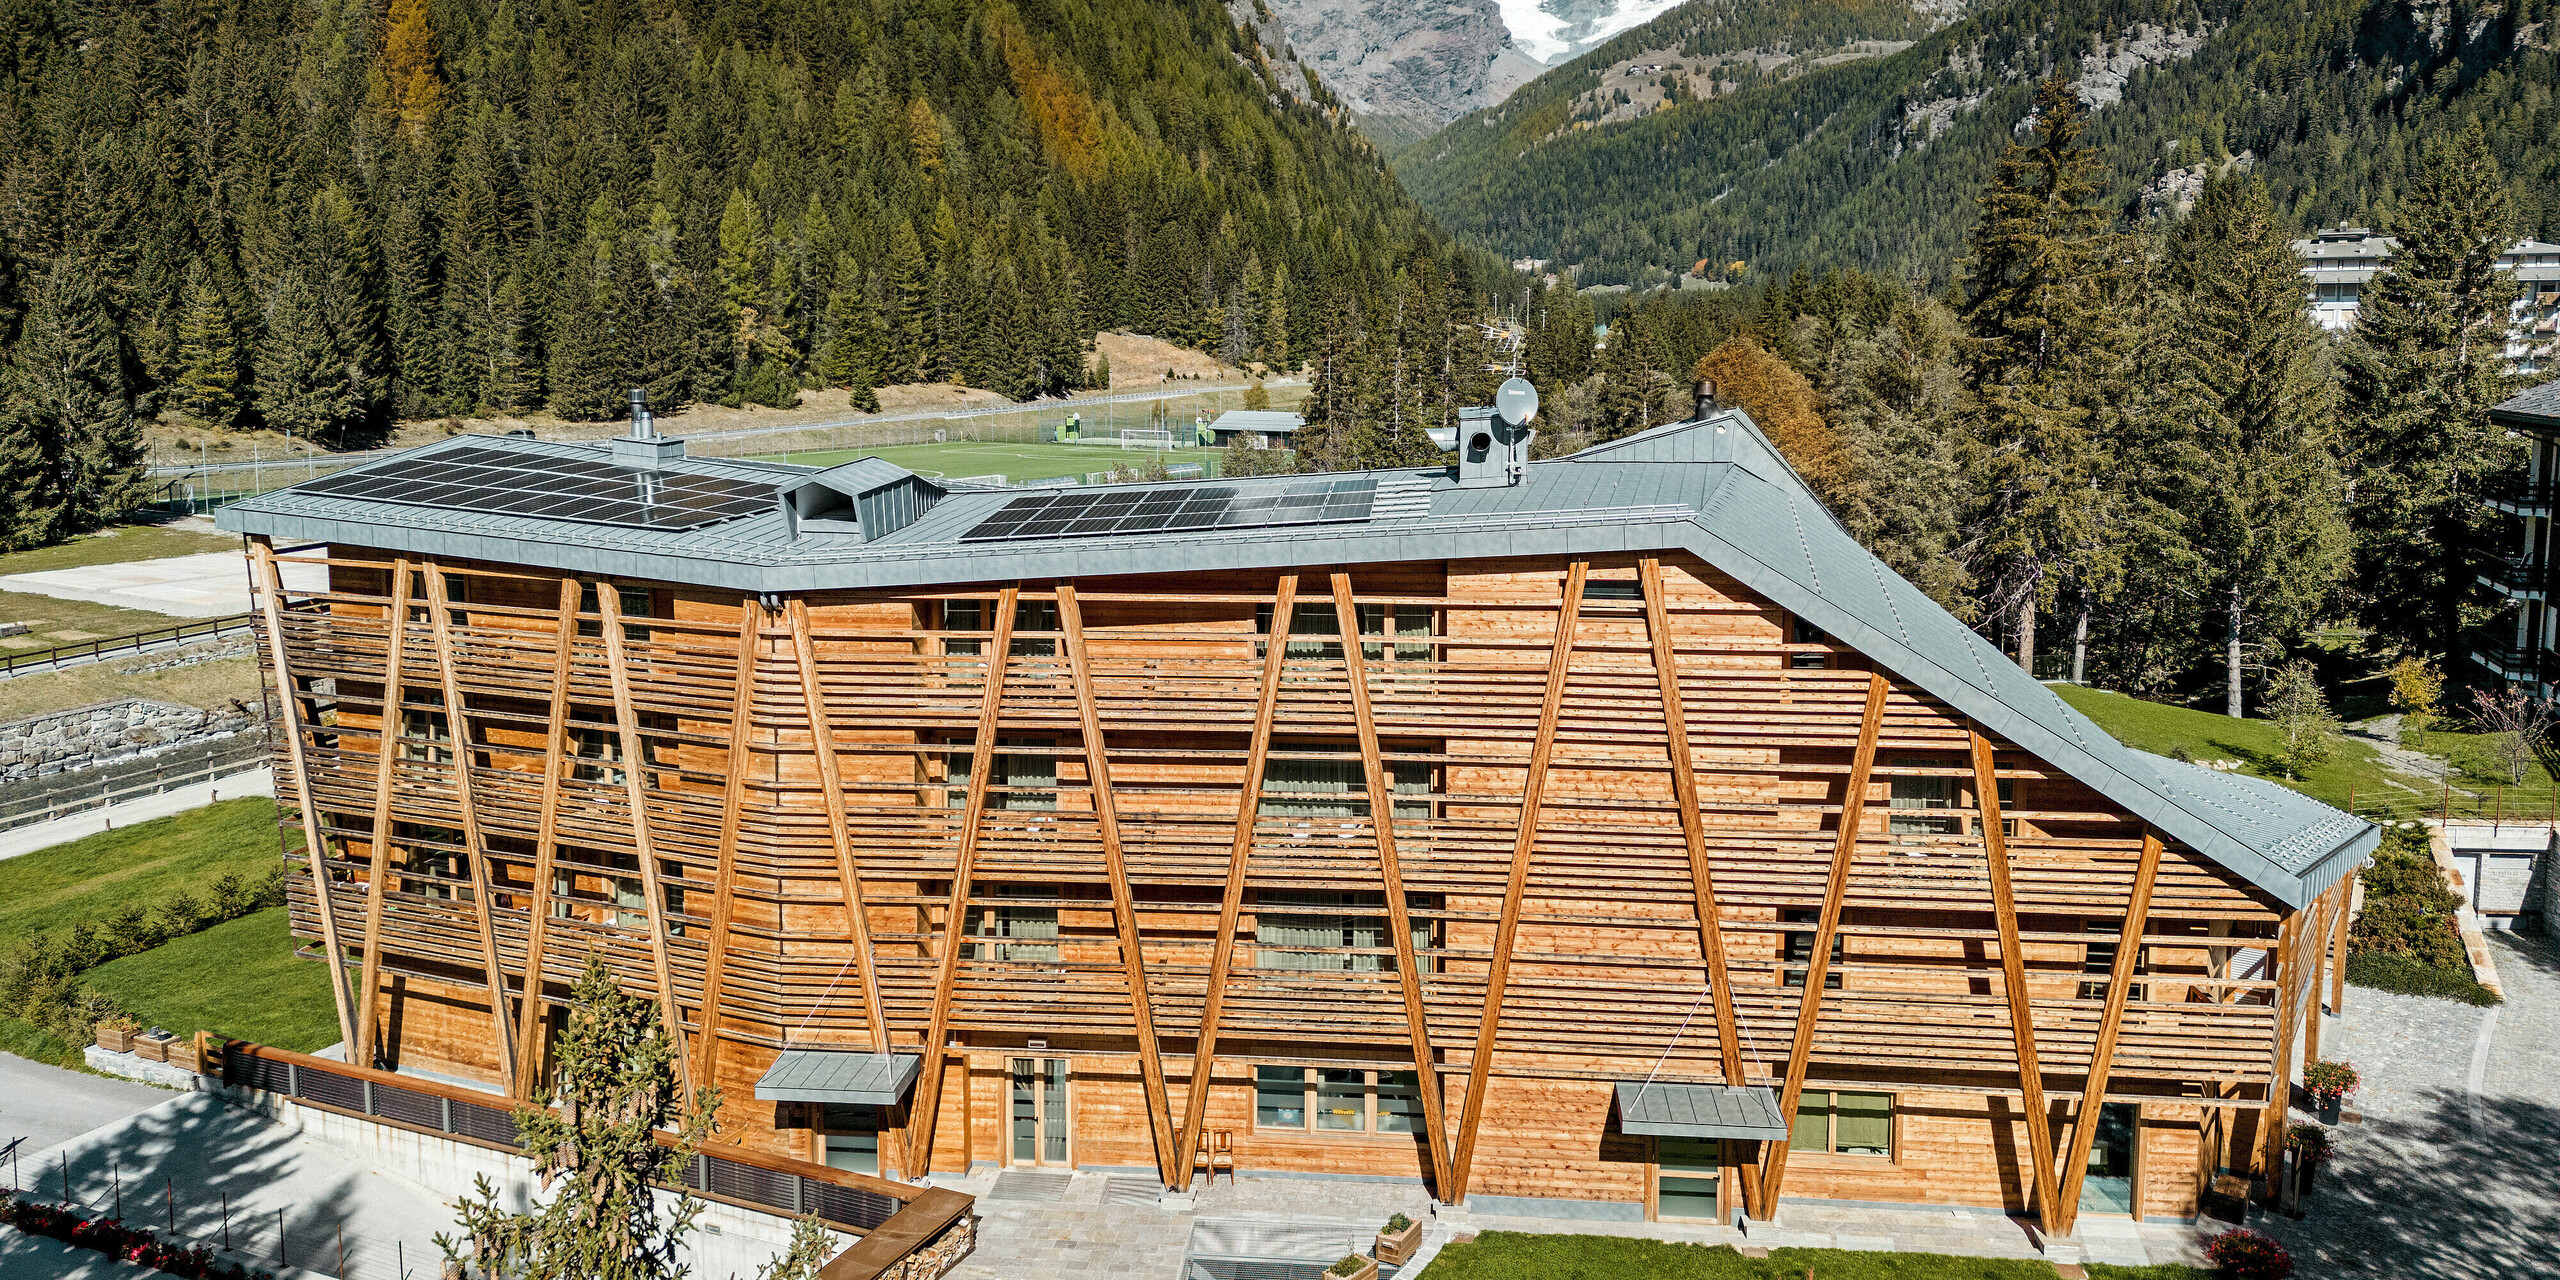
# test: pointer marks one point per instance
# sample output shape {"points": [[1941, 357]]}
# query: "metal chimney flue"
{"points": [[1706, 392], [644, 448], [641, 426]]}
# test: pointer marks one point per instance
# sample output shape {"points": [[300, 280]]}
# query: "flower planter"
{"points": [[185, 1056], [1368, 1271], [116, 1037], [2329, 1109], [1399, 1247], [153, 1045]]}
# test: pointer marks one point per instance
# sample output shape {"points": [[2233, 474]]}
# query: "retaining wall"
{"points": [[110, 733]]}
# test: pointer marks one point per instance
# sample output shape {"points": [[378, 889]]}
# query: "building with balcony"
{"points": [[2340, 262], [1607, 836], [2521, 646]]}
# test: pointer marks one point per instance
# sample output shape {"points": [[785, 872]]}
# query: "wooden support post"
{"points": [[2050, 1211], [2316, 949], [1204, 1052], [2279, 1104], [2338, 937], [546, 844], [475, 847], [395, 618], [982, 758], [822, 739], [270, 582], [2093, 1092], [635, 761], [1124, 907], [1844, 850], [1382, 812], [1693, 830], [724, 875], [1533, 792]]}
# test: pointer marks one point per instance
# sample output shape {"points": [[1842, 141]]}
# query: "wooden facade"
{"points": [[1550, 824]]}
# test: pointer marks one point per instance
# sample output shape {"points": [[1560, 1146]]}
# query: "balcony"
{"points": [[2503, 658], [2522, 497], [2517, 578]]}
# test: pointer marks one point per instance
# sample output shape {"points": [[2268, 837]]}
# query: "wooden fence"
{"points": [[201, 631], [893, 1219]]}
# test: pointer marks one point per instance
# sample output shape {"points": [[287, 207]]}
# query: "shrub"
{"points": [[1349, 1266], [2408, 909], [2406, 975], [1397, 1222], [2326, 1080], [2247, 1255], [117, 1240]]}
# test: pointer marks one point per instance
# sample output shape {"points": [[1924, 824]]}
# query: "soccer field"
{"points": [[1015, 462]]}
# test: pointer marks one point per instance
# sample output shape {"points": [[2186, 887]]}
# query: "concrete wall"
{"points": [[2508, 874], [728, 1243], [109, 733]]}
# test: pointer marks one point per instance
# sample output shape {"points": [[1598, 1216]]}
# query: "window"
{"points": [[1023, 762], [1799, 950], [430, 851], [1612, 591], [1806, 633], [852, 1136], [633, 601], [1339, 1099], [1315, 631], [1034, 615], [425, 735], [1030, 929], [1843, 1124], [2099, 962], [595, 748], [1286, 923], [1334, 783], [1916, 802], [2008, 801]]}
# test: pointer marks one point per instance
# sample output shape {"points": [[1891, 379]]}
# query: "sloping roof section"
{"points": [[1713, 487], [2539, 407]]}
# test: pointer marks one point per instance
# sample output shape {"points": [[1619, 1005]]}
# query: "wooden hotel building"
{"points": [[1605, 836]]}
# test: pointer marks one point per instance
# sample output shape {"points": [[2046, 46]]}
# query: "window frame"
{"points": [[1792, 971], [1311, 1093], [986, 947], [1892, 1153]]}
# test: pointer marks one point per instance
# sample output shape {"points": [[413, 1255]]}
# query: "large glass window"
{"points": [[595, 747], [1027, 930], [1688, 1169], [1837, 1122], [852, 1136], [1344, 1100], [633, 601], [425, 735], [1289, 926], [1028, 770], [1799, 950], [1329, 780], [428, 851], [1403, 631], [1918, 802]]}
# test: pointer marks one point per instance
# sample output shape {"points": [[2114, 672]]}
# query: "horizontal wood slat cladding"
{"points": [[767, 785]]}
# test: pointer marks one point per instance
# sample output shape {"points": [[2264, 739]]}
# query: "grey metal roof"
{"points": [[1279, 420], [1699, 1111], [839, 1075], [2539, 407], [1713, 487]]}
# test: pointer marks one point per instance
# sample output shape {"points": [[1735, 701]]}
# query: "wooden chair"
{"points": [[1219, 1150]]}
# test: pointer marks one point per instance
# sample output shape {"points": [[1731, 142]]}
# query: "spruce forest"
{"points": [[324, 217]]}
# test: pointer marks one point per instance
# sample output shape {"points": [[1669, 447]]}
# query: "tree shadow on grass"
{"points": [[2453, 1191]]}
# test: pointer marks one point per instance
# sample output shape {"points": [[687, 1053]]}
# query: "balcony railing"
{"points": [[2503, 658], [2516, 577], [2525, 497]]}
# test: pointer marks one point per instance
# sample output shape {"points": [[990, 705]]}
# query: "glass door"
{"points": [[852, 1137], [1040, 1111], [2108, 1187], [1685, 1185]]}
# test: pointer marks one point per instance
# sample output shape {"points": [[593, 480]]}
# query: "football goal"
{"points": [[1146, 438]]}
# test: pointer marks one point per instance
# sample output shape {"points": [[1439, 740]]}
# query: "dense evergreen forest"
{"points": [[1874, 163], [324, 216]]}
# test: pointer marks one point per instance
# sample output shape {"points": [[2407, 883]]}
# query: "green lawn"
{"points": [[1015, 462], [1511, 1255], [2355, 768], [117, 546], [144, 863], [240, 979]]}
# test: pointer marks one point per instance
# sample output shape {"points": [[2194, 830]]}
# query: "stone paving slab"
{"points": [[211, 584]]}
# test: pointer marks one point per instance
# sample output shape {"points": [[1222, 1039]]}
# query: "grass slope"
{"points": [[2355, 768], [240, 978], [143, 863], [1511, 1255], [120, 545]]}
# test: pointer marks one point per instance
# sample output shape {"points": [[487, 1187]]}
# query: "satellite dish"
{"points": [[1517, 401]]}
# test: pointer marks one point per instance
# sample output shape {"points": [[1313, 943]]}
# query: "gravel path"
{"points": [[2455, 1172]]}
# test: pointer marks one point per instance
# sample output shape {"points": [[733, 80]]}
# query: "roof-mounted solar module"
{"points": [[509, 482], [1084, 513]]}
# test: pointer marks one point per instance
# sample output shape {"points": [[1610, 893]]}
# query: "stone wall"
{"points": [[110, 733]]}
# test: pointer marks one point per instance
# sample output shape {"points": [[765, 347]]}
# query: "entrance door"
{"points": [[2108, 1187], [1685, 1185], [1040, 1111]]}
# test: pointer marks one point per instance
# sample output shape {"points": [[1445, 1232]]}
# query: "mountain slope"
{"points": [[1407, 69], [1876, 163]]}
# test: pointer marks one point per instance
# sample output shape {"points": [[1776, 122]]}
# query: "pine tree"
{"points": [[2042, 286], [66, 392], [590, 378], [207, 388], [2249, 381], [1275, 319], [910, 304], [2420, 376]]}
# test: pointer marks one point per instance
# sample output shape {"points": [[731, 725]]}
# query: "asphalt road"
{"points": [[48, 1106]]}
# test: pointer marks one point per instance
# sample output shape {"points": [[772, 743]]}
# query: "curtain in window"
{"points": [[1027, 768], [1862, 1124], [1315, 788], [1033, 928], [1330, 923]]}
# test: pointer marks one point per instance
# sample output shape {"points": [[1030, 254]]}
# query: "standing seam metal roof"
{"points": [[1713, 487]]}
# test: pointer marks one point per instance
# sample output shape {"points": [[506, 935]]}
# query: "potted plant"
{"points": [[2310, 1146], [2329, 1083], [2247, 1255], [187, 1054], [1399, 1240], [153, 1045], [1353, 1267], [115, 1035]]}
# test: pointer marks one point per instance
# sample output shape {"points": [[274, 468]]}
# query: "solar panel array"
{"points": [[508, 482], [1085, 513]]}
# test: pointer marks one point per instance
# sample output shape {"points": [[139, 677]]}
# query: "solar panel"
{"points": [[1084, 513], [507, 482]]}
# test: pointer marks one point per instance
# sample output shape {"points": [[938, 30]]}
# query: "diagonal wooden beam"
{"points": [[546, 840], [1124, 907], [1204, 1053], [822, 740], [475, 849], [2338, 942], [2102, 1055], [1844, 851], [262, 559], [982, 759], [1533, 791], [395, 636], [2050, 1210], [724, 876], [634, 763], [1693, 830], [1382, 817]]}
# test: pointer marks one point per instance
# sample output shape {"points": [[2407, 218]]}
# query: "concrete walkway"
{"points": [[89, 822], [207, 585], [43, 1106]]}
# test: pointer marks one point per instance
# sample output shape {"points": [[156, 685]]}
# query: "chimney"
{"points": [[1706, 391], [1493, 451], [644, 449]]}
